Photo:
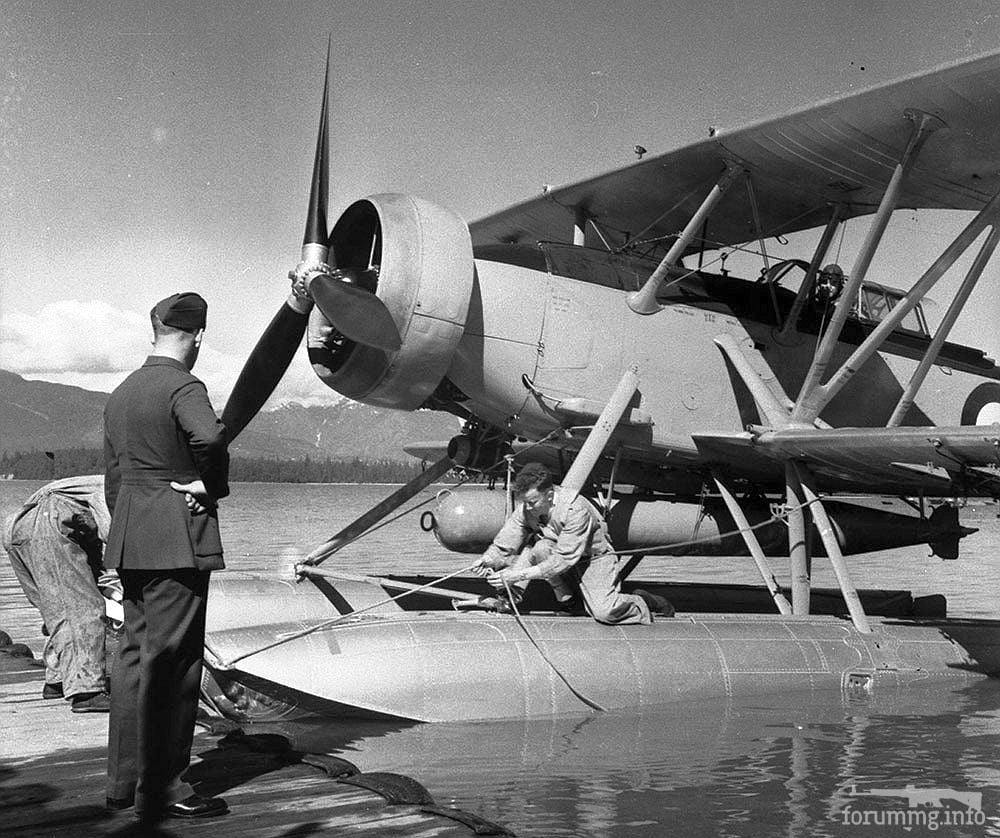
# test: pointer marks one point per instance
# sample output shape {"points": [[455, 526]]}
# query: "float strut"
{"points": [[826, 532], [798, 546], [755, 549], [379, 511], [600, 434]]}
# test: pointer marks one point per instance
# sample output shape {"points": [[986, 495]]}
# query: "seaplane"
{"points": [[595, 328]]}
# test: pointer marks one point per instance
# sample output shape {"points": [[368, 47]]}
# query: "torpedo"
{"points": [[466, 521]]}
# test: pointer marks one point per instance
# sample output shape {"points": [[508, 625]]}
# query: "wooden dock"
{"points": [[52, 770]]}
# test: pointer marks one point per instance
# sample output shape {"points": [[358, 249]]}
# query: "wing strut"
{"points": [[805, 289], [951, 315], [810, 402], [643, 301], [755, 549]]}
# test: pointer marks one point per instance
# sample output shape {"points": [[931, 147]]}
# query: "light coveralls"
{"points": [[54, 546], [571, 542]]}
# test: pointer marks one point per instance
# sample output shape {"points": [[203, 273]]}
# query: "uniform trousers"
{"points": [[155, 686], [597, 578], [60, 580]]}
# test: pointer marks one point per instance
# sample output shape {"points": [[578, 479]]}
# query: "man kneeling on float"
{"points": [[565, 544]]}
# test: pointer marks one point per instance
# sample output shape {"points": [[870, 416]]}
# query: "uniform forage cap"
{"points": [[186, 311]]}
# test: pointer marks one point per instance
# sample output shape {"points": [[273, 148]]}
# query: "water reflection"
{"points": [[778, 765]]}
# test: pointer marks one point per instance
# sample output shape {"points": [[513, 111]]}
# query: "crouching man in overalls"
{"points": [[566, 543]]}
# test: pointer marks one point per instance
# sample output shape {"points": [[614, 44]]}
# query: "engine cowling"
{"points": [[417, 258]]}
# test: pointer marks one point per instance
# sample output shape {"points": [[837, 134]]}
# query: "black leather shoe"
{"points": [[91, 703], [52, 689], [116, 804], [656, 603], [197, 806]]}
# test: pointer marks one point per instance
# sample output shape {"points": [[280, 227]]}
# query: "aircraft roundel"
{"points": [[982, 405]]}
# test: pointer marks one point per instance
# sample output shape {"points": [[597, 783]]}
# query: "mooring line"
{"points": [[517, 616]]}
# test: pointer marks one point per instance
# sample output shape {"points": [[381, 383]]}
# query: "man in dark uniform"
{"points": [[166, 466]]}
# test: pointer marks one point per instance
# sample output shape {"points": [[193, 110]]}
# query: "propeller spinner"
{"points": [[353, 310]]}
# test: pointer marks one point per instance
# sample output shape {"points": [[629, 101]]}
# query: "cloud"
{"points": [[91, 338], [95, 346]]}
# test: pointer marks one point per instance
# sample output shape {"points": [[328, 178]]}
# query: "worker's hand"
{"points": [[485, 565], [499, 579], [196, 496]]}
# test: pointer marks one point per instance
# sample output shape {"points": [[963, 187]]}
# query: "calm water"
{"points": [[793, 765]]}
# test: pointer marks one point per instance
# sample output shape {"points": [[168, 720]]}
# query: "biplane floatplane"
{"points": [[586, 328]]}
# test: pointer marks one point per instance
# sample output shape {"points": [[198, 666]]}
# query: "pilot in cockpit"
{"points": [[829, 284]]}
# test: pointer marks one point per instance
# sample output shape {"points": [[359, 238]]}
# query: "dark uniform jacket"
{"points": [[159, 426]]}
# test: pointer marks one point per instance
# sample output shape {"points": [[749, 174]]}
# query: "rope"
{"points": [[675, 545], [517, 616], [326, 623]]}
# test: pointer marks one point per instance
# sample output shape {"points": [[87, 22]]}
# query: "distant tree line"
{"points": [[326, 470], [66, 462]]}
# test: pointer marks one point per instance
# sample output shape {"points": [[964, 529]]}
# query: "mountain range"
{"points": [[39, 415]]}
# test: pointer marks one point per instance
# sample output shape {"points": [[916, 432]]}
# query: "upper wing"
{"points": [[959, 460], [840, 151]]}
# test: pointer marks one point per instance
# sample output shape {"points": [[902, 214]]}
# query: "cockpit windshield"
{"points": [[876, 301]]}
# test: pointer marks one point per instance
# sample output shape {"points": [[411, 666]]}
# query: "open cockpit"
{"points": [[769, 299]]}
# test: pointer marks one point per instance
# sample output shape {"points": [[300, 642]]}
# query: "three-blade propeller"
{"points": [[354, 311]]}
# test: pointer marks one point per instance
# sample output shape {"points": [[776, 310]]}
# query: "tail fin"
{"points": [[946, 531]]}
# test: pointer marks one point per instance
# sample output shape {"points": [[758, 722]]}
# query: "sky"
{"points": [[148, 148]]}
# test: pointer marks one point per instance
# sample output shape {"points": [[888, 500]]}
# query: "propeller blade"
{"points": [[264, 368], [273, 353], [355, 312], [317, 231]]}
